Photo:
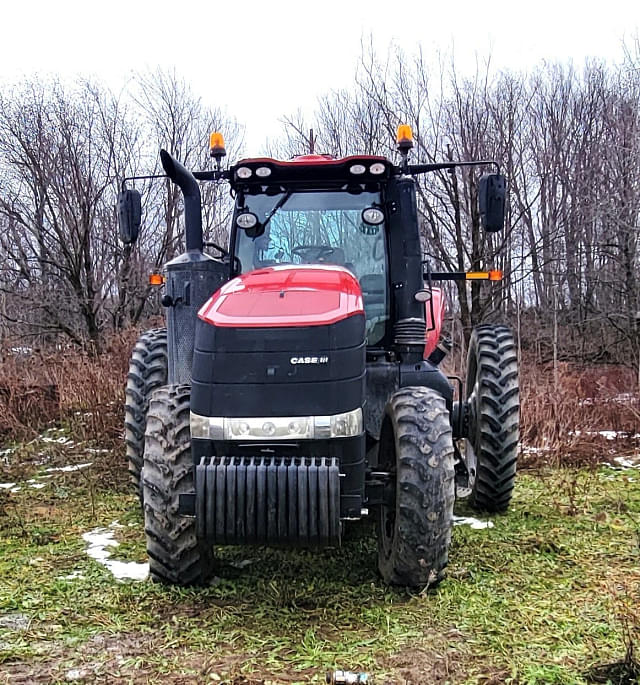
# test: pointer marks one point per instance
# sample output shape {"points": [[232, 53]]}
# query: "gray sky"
{"points": [[262, 60]]}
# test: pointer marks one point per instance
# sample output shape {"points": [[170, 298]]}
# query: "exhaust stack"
{"points": [[187, 183]]}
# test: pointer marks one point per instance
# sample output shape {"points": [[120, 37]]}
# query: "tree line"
{"points": [[64, 150], [566, 136]]}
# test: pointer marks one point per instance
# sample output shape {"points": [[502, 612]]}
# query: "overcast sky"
{"points": [[262, 60]]}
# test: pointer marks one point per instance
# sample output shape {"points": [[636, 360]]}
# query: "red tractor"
{"points": [[297, 388]]}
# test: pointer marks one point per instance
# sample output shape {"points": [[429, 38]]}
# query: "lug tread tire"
{"points": [[147, 371], [498, 432], [425, 492], [176, 555]]}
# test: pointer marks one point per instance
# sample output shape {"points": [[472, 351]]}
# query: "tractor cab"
{"points": [[316, 210]]}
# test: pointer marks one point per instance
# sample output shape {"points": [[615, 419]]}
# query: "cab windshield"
{"points": [[321, 228]]}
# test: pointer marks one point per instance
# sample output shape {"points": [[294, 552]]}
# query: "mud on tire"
{"points": [[147, 371], [176, 556], [415, 532], [491, 448]]}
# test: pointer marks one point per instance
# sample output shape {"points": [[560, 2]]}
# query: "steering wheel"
{"points": [[312, 252]]}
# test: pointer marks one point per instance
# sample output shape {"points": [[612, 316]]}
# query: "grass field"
{"points": [[549, 594]]}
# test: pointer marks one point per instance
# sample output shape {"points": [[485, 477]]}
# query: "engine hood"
{"points": [[279, 296]]}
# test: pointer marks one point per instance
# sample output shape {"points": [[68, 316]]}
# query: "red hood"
{"points": [[279, 296]]}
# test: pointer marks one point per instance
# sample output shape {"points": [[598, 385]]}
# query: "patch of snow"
{"points": [[16, 489], [242, 563], [608, 434], [38, 486], [67, 469], [60, 441], [73, 575], [7, 486], [628, 462], [115, 524], [528, 449], [78, 674], [470, 521], [92, 450], [98, 541]]}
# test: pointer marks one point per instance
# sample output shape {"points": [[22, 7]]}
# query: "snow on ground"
{"points": [[67, 469], [470, 521], [629, 462], [608, 435], [621, 398], [99, 540]]}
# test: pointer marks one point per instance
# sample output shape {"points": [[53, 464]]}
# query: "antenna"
{"points": [[312, 142]]}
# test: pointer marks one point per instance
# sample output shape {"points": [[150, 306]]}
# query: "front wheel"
{"points": [[176, 555], [414, 525]]}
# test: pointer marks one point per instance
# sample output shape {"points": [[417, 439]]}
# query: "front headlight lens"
{"points": [[345, 425], [246, 220], [243, 172]]}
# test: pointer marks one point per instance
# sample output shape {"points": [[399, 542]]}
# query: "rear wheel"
{"points": [[493, 398], [414, 526], [176, 555], [147, 371]]}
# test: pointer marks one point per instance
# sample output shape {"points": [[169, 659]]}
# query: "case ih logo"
{"points": [[309, 360]]}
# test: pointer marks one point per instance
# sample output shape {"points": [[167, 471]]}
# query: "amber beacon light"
{"points": [[216, 145], [404, 137]]}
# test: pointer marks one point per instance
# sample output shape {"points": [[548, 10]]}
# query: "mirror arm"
{"points": [[415, 169], [139, 178]]}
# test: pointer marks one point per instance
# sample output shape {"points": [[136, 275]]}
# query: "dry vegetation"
{"points": [[568, 414]]}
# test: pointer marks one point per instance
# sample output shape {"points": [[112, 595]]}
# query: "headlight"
{"points": [[372, 216], [377, 168], [357, 169], [243, 172], [246, 220], [263, 171], [346, 425]]}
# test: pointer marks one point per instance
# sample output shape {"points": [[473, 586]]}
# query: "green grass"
{"points": [[541, 597]]}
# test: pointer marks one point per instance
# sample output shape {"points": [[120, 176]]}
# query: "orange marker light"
{"points": [[493, 275], [405, 134], [156, 279], [216, 145]]}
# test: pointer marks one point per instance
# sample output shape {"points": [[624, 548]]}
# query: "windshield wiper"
{"points": [[278, 205]]}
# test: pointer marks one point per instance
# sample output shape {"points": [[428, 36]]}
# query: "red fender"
{"points": [[434, 327]]}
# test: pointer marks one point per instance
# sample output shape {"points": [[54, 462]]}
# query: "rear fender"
{"points": [[434, 324]]}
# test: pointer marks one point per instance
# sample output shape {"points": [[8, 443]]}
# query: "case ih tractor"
{"points": [[296, 388]]}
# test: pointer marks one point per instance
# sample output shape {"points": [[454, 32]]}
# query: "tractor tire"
{"points": [[493, 397], [147, 371], [176, 555], [414, 527]]}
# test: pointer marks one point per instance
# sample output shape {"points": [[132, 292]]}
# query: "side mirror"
{"points": [[491, 200], [129, 215]]}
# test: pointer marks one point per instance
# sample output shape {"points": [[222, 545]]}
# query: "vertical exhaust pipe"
{"points": [[185, 180]]}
